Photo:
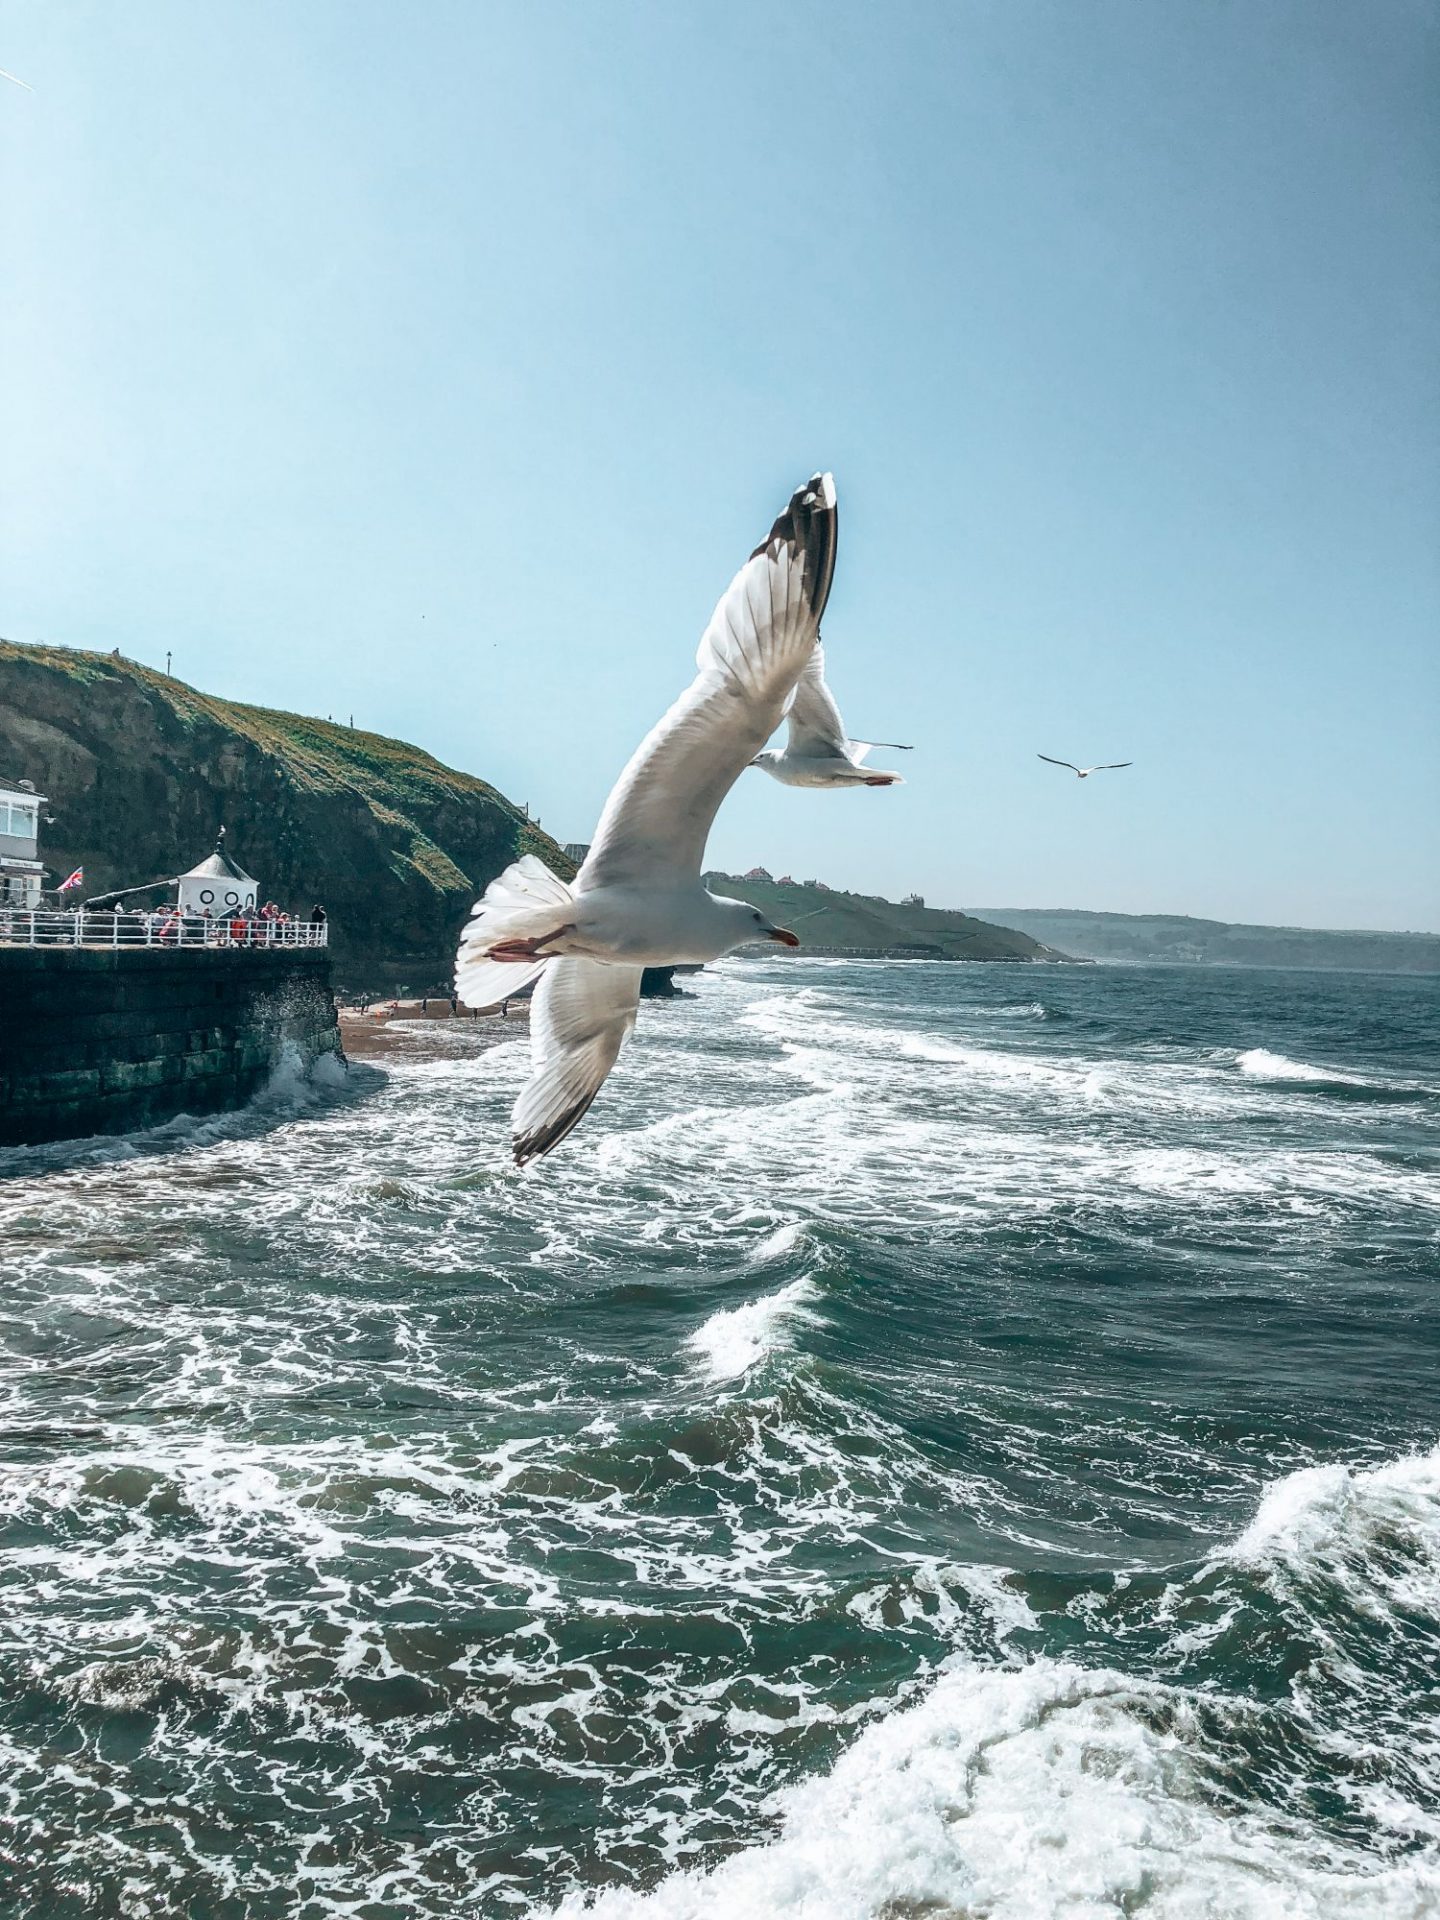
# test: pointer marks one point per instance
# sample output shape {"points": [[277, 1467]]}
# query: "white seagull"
{"points": [[637, 901], [1084, 773], [818, 752]]}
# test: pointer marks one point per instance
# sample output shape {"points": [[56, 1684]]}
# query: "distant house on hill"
{"points": [[576, 850], [913, 900], [784, 881], [757, 873]]}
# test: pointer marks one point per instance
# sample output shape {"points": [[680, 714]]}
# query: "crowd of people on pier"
{"points": [[119, 924]]}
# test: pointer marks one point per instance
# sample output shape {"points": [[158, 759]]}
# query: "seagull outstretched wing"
{"points": [[751, 655], [579, 1018], [816, 730]]}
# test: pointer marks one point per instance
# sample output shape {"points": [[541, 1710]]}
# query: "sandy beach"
{"points": [[414, 1027]]}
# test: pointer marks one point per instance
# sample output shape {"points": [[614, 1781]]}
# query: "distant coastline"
{"points": [[1159, 939]]}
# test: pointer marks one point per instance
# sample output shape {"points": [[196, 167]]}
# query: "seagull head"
{"points": [[749, 923]]}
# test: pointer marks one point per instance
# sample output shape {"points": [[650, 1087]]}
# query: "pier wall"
{"points": [[102, 1041]]}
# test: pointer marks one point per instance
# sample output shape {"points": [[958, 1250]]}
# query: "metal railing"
{"points": [[78, 929]]}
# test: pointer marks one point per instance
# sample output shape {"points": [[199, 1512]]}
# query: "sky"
{"points": [[439, 365]]}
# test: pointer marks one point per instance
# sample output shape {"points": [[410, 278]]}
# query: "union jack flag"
{"points": [[75, 880]]}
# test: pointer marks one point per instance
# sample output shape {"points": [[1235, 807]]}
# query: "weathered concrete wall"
{"points": [[100, 1042]]}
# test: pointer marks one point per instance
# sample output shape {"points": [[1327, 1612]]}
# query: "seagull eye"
{"points": [[755, 916]]}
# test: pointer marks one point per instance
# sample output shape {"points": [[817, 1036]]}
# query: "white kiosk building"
{"points": [[217, 886], [21, 873]]}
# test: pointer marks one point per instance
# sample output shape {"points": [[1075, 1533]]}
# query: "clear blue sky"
{"points": [[439, 364]]}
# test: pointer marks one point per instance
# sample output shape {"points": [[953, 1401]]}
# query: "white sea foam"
{"points": [[1372, 1531], [1046, 1792], [1260, 1064], [737, 1338], [785, 1239]]}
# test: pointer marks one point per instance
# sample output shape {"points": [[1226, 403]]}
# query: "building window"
{"points": [[18, 819]]}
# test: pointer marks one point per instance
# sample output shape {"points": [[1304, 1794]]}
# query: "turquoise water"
{"points": [[945, 1441]]}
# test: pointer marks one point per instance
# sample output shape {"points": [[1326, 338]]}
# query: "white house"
{"points": [[217, 886], [21, 872]]}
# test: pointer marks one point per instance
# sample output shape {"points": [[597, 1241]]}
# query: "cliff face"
{"points": [[142, 770]]}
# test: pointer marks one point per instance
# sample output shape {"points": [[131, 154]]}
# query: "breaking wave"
{"points": [[1047, 1790], [1048, 1793], [738, 1338], [1260, 1064]]}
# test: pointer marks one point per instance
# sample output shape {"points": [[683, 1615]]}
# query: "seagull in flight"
{"points": [[1084, 773], [818, 752], [638, 901]]}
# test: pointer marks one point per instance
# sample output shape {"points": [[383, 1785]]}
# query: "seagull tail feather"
{"points": [[525, 902], [487, 984]]}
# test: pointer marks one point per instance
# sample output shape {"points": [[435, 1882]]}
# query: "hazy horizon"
{"points": [[442, 368]]}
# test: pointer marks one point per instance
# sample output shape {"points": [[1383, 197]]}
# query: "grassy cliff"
{"points": [[141, 770], [827, 921]]}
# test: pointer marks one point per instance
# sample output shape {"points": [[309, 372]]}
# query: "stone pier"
{"points": [[96, 1040]]}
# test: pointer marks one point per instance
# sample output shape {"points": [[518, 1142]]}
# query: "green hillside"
{"points": [[830, 922], [141, 770]]}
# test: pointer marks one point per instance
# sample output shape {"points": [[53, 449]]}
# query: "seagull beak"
{"points": [[785, 936]]}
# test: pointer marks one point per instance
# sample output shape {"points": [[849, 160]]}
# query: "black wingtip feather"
{"points": [[534, 1145], [810, 523]]}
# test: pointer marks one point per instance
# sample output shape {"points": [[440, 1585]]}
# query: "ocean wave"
{"points": [[1276, 1069], [1048, 1792], [1258, 1063], [737, 1338], [1043, 1789], [1374, 1531]]}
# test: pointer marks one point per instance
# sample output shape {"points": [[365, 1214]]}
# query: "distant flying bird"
{"points": [[818, 752], [637, 901], [1084, 773]]}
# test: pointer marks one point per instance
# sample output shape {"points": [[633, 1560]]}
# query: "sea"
{"points": [[941, 1442]]}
